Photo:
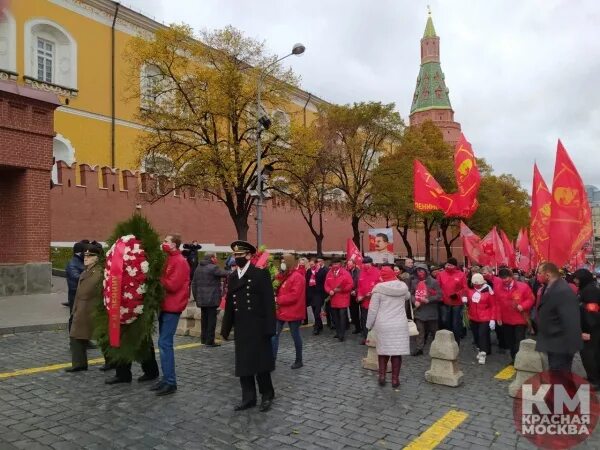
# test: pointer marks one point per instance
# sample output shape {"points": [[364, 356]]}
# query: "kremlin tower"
{"points": [[431, 101]]}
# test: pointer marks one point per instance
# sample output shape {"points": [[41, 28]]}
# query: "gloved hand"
{"points": [[465, 300], [492, 325]]}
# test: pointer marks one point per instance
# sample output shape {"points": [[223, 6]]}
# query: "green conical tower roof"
{"points": [[429, 28], [431, 91]]}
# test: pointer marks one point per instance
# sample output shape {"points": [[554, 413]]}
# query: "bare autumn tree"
{"points": [[356, 136], [198, 97]]}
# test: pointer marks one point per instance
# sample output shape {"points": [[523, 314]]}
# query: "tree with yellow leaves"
{"points": [[198, 105]]}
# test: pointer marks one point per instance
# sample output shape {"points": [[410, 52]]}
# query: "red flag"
{"points": [[467, 175], [509, 251], [493, 249], [541, 201], [571, 216], [428, 194], [352, 252], [471, 244], [524, 252]]}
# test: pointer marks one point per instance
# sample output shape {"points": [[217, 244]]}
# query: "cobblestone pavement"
{"points": [[330, 403]]}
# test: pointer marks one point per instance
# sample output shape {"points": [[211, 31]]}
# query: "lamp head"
{"points": [[298, 49]]}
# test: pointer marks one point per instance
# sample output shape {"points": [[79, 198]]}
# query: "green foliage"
{"points": [[134, 336], [60, 256]]}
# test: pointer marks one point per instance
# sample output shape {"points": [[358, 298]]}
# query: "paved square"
{"points": [[329, 403]]}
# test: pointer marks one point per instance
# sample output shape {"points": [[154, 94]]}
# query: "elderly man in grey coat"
{"points": [[426, 295], [206, 289]]}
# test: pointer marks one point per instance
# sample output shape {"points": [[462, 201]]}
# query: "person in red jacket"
{"points": [[338, 286], [454, 284], [481, 307], [367, 279], [514, 299], [176, 282], [290, 304]]}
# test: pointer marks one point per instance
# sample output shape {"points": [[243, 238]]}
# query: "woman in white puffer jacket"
{"points": [[387, 316]]}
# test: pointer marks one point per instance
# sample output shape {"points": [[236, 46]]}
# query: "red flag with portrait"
{"points": [[541, 206], [468, 178], [571, 216]]}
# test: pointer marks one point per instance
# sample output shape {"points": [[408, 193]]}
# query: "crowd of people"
{"points": [[561, 310]]}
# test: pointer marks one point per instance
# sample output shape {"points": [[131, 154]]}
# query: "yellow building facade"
{"points": [[75, 48]]}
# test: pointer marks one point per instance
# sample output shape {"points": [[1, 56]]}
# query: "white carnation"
{"points": [[128, 295], [138, 309], [127, 250], [132, 271], [141, 289], [128, 238], [145, 266]]}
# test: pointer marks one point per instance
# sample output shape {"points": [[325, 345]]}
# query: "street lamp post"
{"points": [[264, 123]]}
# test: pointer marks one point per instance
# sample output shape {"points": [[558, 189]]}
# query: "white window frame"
{"points": [[47, 55], [65, 52]]}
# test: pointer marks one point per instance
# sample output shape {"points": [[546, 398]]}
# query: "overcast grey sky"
{"points": [[521, 74]]}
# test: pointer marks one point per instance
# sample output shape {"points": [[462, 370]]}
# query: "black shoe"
{"points": [[417, 353], [335, 336], [76, 369], [357, 332], [147, 377], [316, 332], [341, 338], [166, 390], [106, 367], [65, 304], [157, 386], [116, 380], [244, 406], [265, 405], [203, 341], [297, 365], [213, 344]]}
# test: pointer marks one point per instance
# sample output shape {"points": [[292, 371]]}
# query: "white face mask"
{"points": [[283, 266]]}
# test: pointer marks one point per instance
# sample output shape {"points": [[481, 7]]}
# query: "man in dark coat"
{"points": [[559, 327], [206, 289], [315, 290], [354, 306], [589, 305], [73, 271], [250, 309]]}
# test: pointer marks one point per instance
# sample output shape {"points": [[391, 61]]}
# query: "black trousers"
{"points": [[590, 357], [500, 336], [364, 312], [149, 365], [265, 387], [208, 323], [316, 303], [340, 319], [355, 314], [425, 327], [513, 335], [331, 322], [560, 362], [481, 335]]}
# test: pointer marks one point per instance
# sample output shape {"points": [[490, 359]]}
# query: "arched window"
{"points": [[8, 43], [50, 54], [62, 150]]}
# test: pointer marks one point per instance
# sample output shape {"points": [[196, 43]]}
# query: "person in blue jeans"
{"points": [[290, 305], [176, 282]]}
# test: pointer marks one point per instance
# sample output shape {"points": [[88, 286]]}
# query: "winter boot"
{"points": [[383, 362], [396, 364]]}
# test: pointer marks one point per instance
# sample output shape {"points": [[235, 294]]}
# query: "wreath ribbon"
{"points": [[115, 284]]}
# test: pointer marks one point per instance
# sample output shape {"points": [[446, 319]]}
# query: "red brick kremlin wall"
{"points": [[105, 196]]}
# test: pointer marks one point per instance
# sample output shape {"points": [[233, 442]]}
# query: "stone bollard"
{"points": [[528, 363], [371, 361], [196, 329], [183, 328], [444, 360]]}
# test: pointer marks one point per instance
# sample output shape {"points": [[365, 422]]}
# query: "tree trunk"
{"points": [[355, 230], [427, 227], [403, 231], [319, 241], [445, 225], [241, 227]]}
